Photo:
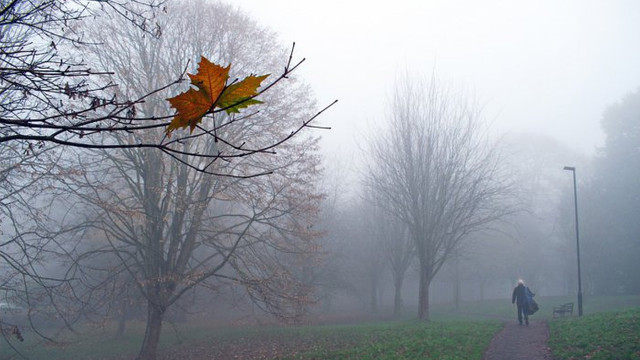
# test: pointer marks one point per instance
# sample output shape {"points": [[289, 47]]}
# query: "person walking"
{"points": [[519, 298]]}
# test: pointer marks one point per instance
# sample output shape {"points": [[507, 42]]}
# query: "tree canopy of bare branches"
{"points": [[433, 168], [86, 114], [51, 95], [167, 225], [48, 95]]}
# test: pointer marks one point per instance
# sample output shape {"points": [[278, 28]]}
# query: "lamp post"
{"points": [[575, 198]]}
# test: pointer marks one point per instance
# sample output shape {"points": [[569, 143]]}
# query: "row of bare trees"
{"points": [[433, 180], [443, 201]]}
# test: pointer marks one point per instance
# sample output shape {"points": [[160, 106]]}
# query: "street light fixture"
{"points": [[575, 198]]}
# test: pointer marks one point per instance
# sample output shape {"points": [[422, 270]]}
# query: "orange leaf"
{"points": [[190, 106], [210, 78], [212, 92]]}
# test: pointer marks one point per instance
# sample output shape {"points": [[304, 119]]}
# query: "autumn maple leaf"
{"points": [[212, 92], [191, 106], [238, 96], [210, 78]]}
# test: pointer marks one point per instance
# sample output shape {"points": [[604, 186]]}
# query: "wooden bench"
{"points": [[563, 309]]}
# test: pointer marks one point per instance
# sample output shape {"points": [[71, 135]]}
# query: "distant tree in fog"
{"points": [[339, 276], [399, 252], [611, 247], [433, 168], [372, 250], [535, 242], [390, 243]]}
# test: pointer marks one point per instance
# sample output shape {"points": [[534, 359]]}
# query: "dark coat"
{"points": [[519, 295]]}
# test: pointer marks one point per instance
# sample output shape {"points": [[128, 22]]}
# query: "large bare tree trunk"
{"points": [[152, 333]]}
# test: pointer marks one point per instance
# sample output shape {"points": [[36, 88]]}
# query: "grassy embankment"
{"points": [[412, 340], [608, 335], [610, 329]]}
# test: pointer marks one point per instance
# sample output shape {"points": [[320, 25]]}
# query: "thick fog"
{"points": [[438, 178], [542, 67], [544, 74]]}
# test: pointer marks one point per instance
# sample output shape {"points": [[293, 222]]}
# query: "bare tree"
{"points": [[173, 227], [433, 169], [53, 97]]}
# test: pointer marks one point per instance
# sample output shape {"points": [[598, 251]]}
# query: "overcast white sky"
{"points": [[544, 66]]}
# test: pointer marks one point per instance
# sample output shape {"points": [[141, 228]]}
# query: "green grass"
{"points": [[608, 335], [610, 329], [409, 340], [88, 343]]}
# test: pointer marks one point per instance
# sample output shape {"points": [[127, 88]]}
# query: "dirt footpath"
{"points": [[520, 342]]}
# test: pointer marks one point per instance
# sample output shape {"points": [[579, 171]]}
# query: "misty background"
{"points": [[543, 67], [544, 74], [440, 180]]}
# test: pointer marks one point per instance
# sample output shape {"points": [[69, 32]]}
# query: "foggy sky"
{"points": [[549, 67]]}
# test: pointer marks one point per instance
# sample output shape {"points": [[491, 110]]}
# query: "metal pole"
{"points": [[575, 199]]}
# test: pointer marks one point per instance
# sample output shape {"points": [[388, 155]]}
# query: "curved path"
{"points": [[520, 342]]}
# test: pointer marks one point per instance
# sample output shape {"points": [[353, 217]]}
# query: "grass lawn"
{"points": [[409, 340], [608, 335], [610, 329]]}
